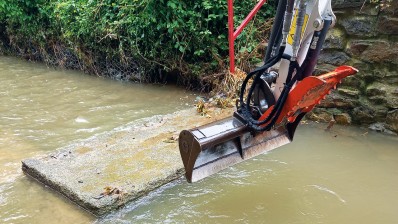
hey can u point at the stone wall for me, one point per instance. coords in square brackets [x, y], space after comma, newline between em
[366, 37]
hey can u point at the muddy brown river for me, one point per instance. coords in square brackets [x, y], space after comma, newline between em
[346, 175]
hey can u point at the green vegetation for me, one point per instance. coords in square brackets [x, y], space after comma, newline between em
[187, 37]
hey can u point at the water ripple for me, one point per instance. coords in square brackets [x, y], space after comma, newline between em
[324, 189]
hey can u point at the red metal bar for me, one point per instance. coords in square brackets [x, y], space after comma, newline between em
[232, 34]
[248, 18]
[231, 38]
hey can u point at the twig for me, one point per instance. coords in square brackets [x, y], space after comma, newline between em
[360, 10]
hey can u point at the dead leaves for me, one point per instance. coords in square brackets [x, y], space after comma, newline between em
[225, 94]
[171, 139]
[206, 108]
[225, 102]
[202, 107]
[112, 191]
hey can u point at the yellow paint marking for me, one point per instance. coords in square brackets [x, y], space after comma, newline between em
[293, 27]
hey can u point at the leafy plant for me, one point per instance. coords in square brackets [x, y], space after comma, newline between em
[188, 37]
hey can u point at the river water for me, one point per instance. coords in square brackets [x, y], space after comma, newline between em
[346, 175]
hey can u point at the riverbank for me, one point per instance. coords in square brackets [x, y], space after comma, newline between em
[143, 41]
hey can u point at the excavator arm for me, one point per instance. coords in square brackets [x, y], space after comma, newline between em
[281, 92]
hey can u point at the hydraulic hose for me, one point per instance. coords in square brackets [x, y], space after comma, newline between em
[287, 20]
[259, 71]
[280, 28]
[276, 31]
[278, 106]
[255, 124]
[245, 107]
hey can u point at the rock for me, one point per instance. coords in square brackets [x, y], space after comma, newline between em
[356, 47]
[363, 115]
[357, 81]
[381, 93]
[362, 26]
[320, 115]
[343, 119]
[387, 25]
[378, 100]
[381, 52]
[343, 4]
[392, 120]
[368, 77]
[333, 57]
[335, 100]
[362, 66]
[392, 80]
[323, 68]
[379, 73]
[348, 92]
[335, 39]
[352, 82]
[379, 127]
[374, 51]
[395, 91]
[381, 113]
[370, 9]
[391, 77]
[334, 111]
[392, 9]
[376, 89]
[392, 102]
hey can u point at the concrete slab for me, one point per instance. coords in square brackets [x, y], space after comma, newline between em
[108, 170]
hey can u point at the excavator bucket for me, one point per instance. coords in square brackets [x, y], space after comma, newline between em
[210, 148]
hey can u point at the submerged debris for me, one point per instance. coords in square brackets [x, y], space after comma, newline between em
[331, 124]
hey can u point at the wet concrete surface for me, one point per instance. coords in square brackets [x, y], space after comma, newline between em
[106, 171]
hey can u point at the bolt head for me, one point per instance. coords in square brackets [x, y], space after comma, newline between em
[316, 24]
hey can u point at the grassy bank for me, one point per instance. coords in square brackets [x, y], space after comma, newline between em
[144, 40]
